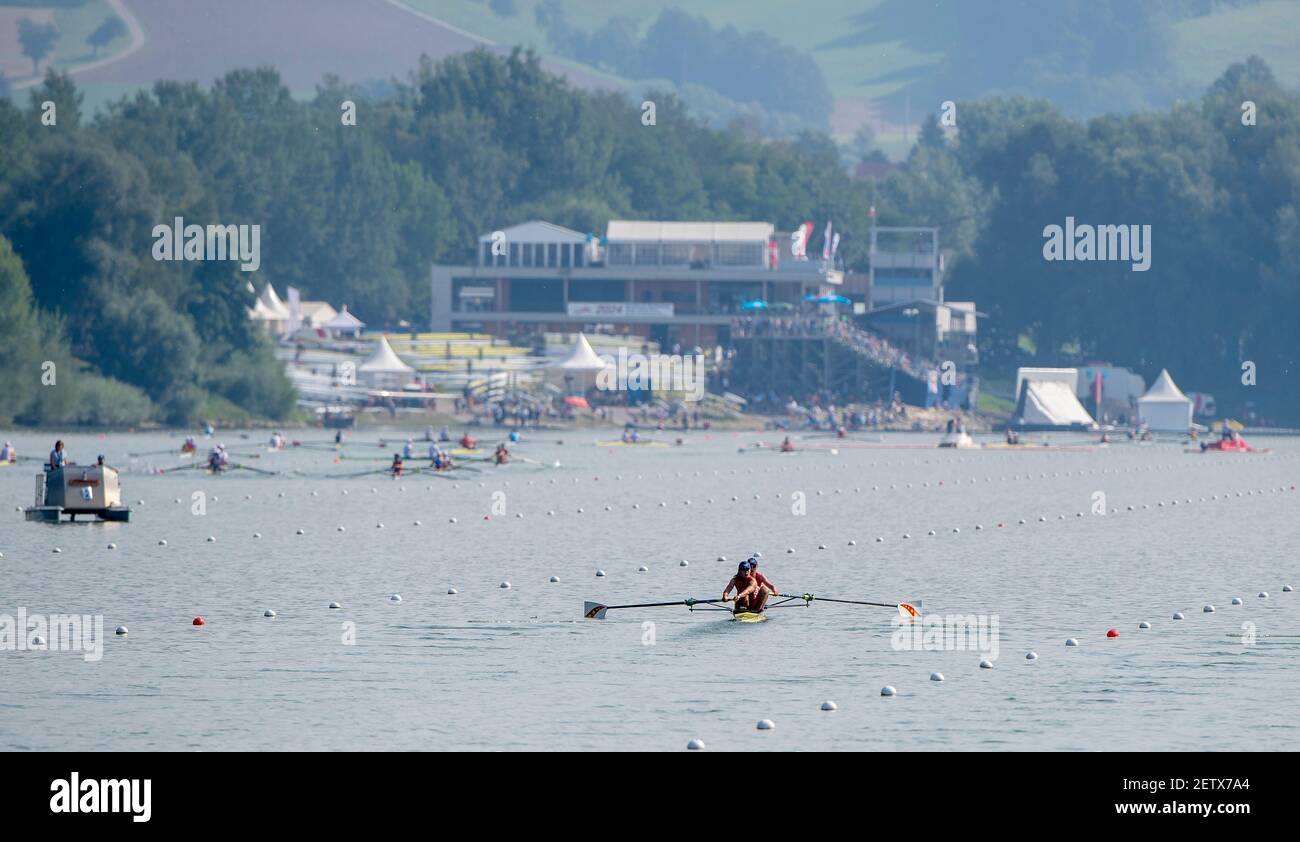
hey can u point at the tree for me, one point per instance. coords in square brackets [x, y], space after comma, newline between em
[37, 41]
[111, 29]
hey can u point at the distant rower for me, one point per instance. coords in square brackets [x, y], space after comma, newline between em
[8, 454]
[396, 468]
[502, 455]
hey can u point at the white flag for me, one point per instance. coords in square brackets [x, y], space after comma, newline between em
[295, 310]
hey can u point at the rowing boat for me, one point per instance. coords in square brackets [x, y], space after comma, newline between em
[908, 611]
[641, 443]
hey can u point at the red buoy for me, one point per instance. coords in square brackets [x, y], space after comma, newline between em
[199, 621]
[486, 517]
[1112, 633]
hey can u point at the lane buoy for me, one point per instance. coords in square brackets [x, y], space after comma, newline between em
[1069, 641]
[1209, 609]
[986, 665]
[1112, 632]
[829, 705]
[199, 621]
[1144, 625]
[1178, 615]
[1031, 656]
[936, 676]
[505, 586]
[888, 691]
[695, 745]
[766, 725]
[335, 605]
[121, 631]
[268, 613]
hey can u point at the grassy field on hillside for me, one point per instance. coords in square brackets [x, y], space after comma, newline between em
[74, 24]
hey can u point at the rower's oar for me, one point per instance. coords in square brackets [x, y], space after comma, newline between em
[596, 611]
[910, 609]
[190, 467]
[254, 470]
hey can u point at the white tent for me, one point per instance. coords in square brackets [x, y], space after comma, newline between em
[345, 323]
[1046, 400]
[581, 358]
[1164, 407]
[273, 303]
[385, 368]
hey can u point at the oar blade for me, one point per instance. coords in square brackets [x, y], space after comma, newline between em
[910, 610]
[593, 610]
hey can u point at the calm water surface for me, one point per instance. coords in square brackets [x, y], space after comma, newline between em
[493, 668]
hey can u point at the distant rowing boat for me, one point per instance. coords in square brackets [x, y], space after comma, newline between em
[640, 443]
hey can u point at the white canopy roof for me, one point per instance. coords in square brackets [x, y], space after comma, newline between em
[272, 302]
[582, 357]
[1164, 391]
[625, 231]
[261, 313]
[345, 321]
[383, 360]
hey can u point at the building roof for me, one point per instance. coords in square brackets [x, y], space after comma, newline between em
[272, 302]
[537, 231]
[627, 231]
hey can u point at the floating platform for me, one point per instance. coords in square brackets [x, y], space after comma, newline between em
[75, 491]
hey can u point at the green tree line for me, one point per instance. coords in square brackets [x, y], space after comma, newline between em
[357, 214]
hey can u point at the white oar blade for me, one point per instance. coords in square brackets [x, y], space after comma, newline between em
[910, 610]
[593, 611]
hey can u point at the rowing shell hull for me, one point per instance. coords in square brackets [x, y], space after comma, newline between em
[749, 617]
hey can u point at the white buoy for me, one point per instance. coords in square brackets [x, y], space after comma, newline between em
[888, 691]
[335, 605]
[600, 574]
[684, 563]
[397, 597]
[906, 535]
[1287, 589]
[415, 523]
[936, 676]
[1031, 656]
[112, 546]
[162, 542]
[1144, 625]
[1178, 615]
[255, 535]
[213, 540]
[38, 641]
[1263, 594]
[956, 529]
[1209, 609]
[986, 665]
[829, 705]
[821, 546]
[268, 613]
[789, 550]
[121, 631]
[554, 579]
[505, 586]
[1236, 600]
[643, 569]
[696, 745]
[451, 591]
[853, 543]
[766, 725]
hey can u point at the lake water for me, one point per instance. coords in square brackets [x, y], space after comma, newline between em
[518, 668]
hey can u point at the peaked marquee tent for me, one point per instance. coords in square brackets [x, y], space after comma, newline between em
[385, 368]
[1164, 407]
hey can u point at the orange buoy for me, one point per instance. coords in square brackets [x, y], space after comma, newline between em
[199, 621]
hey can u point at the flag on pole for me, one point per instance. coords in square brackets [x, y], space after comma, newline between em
[835, 244]
[295, 310]
[826, 242]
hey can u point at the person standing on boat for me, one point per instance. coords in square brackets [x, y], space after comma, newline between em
[751, 587]
[57, 457]
[8, 454]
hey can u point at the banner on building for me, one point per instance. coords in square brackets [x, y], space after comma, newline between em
[620, 310]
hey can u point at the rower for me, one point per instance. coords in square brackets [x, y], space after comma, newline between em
[408, 450]
[444, 434]
[502, 456]
[8, 454]
[752, 588]
[57, 457]
[396, 468]
[428, 433]
[216, 460]
[514, 436]
[277, 441]
[467, 442]
[787, 446]
[190, 445]
[338, 437]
